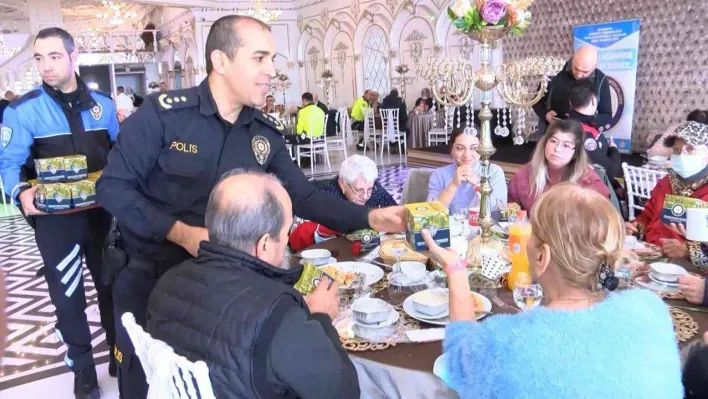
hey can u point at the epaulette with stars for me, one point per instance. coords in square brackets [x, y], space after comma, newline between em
[269, 120]
[176, 99]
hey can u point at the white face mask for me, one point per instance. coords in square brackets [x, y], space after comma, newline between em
[687, 165]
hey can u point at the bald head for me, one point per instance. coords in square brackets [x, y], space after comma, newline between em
[250, 211]
[584, 62]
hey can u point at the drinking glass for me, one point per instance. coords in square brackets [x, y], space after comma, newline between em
[527, 294]
[460, 215]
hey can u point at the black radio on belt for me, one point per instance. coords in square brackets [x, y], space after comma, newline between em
[114, 257]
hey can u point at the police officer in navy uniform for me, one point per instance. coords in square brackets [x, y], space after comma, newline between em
[63, 117]
[171, 152]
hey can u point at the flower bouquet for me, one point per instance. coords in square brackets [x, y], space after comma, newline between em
[402, 69]
[473, 16]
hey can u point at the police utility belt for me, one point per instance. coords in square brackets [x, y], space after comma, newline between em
[115, 258]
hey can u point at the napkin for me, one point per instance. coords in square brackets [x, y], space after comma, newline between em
[426, 335]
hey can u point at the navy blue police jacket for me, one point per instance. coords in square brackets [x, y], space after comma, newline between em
[40, 125]
[170, 154]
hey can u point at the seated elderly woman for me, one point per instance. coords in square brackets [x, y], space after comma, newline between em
[356, 183]
[454, 185]
[559, 157]
[659, 149]
[688, 177]
[585, 341]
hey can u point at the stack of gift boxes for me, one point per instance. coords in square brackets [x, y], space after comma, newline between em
[64, 183]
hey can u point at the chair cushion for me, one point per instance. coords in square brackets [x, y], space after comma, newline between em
[416, 187]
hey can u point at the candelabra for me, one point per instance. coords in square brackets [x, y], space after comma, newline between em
[282, 84]
[402, 81]
[520, 83]
[326, 83]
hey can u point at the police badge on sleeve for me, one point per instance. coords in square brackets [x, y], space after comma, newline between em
[97, 111]
[5, 135]
[590, 144]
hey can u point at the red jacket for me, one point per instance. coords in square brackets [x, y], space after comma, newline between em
[650, 217]
[520, 187]
[303, 235]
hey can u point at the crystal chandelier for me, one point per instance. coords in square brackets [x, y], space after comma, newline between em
[116, 13]
[263, 14]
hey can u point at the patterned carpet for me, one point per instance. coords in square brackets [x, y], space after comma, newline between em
[33, 350]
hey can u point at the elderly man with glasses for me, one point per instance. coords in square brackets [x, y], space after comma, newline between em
[357, 182]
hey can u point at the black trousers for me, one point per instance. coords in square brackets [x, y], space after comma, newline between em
[132, 287]
[63, 241]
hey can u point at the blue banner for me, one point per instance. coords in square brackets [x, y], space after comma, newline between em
[617, 46]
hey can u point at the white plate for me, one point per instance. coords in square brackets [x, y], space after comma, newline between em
[372, 274]
[667, 272]
[656, 279]
[392, 319]
[412, 312]
[646, 282]
[330, 261]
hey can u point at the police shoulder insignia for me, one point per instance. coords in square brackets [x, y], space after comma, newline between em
[269, 120]
[590, 144]
[97, 111]
[5, 135]
[261, 148]
[178, 99]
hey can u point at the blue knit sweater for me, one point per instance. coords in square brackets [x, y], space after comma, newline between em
[622, 347]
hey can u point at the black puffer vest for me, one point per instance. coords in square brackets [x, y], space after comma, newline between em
[215, 308]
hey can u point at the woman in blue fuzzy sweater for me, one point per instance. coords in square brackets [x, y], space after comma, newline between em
[585, 342]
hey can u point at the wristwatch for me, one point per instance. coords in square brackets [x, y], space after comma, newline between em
[457, 266]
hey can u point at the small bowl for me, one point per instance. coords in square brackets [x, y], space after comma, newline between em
[414, 271]
[371, 310]
[317, 256]
[431, 302]
[667, 272]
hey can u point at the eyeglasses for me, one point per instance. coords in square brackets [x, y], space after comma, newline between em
[361, 193]
[565, 145]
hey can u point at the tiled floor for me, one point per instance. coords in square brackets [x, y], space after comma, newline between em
[33, 364]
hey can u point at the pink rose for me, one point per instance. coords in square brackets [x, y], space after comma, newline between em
[493, 11]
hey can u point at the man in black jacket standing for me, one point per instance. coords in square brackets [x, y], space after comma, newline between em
[234, 305]
[555, 105]
[394, 101]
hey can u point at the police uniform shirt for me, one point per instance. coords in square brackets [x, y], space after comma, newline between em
[46, 123]
[170, 154]
[597, 146]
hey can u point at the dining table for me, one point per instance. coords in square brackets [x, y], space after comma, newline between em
[405, 370]
[419, 124]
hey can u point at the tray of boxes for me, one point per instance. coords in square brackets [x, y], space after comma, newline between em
[64, 184]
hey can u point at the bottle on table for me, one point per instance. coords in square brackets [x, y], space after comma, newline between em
[519, 234]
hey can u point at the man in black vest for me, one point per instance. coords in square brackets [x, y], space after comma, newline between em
[234, 305]
[555, 104]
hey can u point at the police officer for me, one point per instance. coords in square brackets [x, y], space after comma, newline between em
[63, 117]
[171, 152]
[603, 152]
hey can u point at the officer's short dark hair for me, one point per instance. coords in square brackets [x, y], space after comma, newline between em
[240, 226]
[65, 37]
[582, 93]
[307, 96]
[120, 89]
[224, 36]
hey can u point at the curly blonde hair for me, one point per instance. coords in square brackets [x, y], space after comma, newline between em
[583, 230]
